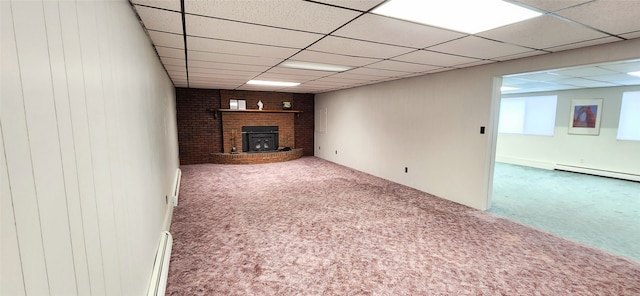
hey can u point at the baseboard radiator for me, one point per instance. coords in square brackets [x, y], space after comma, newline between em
[597, 172]
[158, 284]
[176, 187]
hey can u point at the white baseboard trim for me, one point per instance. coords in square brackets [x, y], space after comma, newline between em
[597, 172]
[158, 282]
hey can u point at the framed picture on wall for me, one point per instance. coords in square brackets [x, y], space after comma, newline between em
[585, 117]
[242, 104]
[233, 104]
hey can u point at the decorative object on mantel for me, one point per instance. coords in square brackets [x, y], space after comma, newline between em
[234, 150]
[217, 112]
[242, 104]
[233, 104]
[260, 105]
[286, 105]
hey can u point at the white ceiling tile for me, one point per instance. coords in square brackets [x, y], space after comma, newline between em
[352, 76]
[166, 39]
[585, 72]
[434, 58]
[208, 85]
[513, 81]
[235, 31]
[520, 55]
[173, 61]
[476, 63]
[176, 68]
[477, 47]
[220, 75]
[165, 4]
[544, 76]
[351, 47]
[265, 88]
[388, 30]
[377, 72]
[160, 20]
[231, 73]
[334, 81]
[362, 5]
[618, 78]
[584, 82]
[631, 35]
[283, 77]
[226, 66]
[535, 33]
[177, 74]
[552, 5]
[624, 67]
[584, 44]
[333, 59]
[231, 58]
[238, 48]
[402, 66]
[169, 52]
[611, 16]
[299, 72]
[296, 15]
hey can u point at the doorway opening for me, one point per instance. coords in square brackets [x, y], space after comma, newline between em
[580, 186]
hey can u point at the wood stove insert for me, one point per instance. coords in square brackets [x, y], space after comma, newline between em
[259, 139]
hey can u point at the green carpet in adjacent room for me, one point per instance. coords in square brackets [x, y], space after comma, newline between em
[600, 212]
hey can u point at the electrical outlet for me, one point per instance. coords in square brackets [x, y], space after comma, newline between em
[406, 169]
[482, 129]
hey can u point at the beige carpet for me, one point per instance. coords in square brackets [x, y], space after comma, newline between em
[310, 227]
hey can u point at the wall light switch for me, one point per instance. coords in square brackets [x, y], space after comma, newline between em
[482, 129]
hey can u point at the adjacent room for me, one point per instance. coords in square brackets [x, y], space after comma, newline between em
[296, 147]
[560, 176]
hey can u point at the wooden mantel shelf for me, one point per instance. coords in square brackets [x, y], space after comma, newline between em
[216, 111]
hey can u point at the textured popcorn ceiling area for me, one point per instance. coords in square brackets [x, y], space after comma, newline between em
[222, 44]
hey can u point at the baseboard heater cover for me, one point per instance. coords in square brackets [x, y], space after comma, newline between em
[176, 187]
[596, 172]
[158, 283]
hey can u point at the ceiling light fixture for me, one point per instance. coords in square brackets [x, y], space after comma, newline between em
[314, 66]
[272, 83]
[508, 88]
[468, 16]
[636, 73]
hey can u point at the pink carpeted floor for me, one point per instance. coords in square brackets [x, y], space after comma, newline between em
[311, 227]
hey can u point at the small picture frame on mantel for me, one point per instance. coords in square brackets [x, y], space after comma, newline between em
[242, 104]
[233, 104]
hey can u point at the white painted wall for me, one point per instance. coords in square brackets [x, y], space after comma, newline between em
[431, 124]
[89, 149]
[602, 152]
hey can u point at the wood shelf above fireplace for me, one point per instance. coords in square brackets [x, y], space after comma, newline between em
[217, 111]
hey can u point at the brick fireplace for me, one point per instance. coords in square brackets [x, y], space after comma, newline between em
[200, 126]
[233, 121]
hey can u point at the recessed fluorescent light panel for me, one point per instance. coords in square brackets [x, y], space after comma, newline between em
[468, 16]
[508, 88]
[272, 83]
[636, 73]
[314, 66]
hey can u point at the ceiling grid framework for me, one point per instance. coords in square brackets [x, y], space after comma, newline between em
[222, 44]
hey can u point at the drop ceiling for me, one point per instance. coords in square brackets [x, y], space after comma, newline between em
[222, 44]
